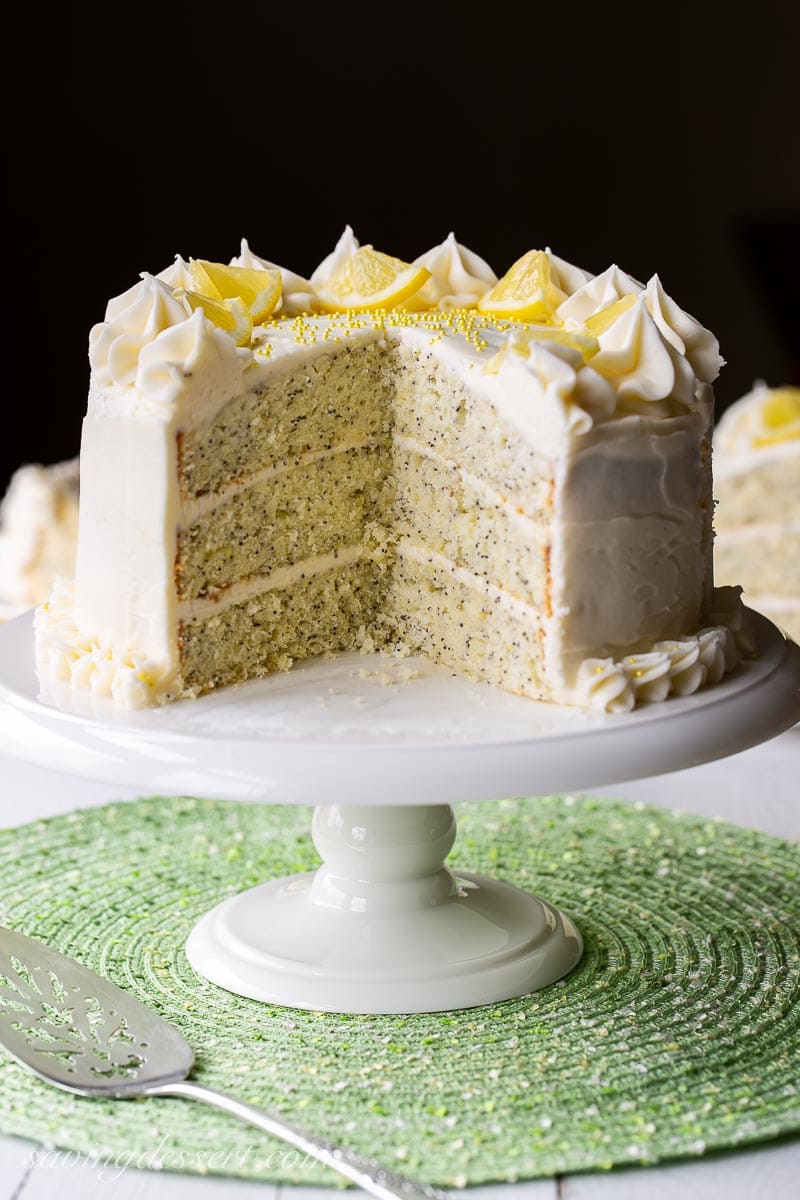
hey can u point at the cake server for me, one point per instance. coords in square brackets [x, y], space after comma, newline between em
[82, 1033]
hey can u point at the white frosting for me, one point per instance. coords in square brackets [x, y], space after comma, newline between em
[154, 345]
[297, 293]
[718, 652]
[629, 555]
[603, 685]
[565, 275]
[65, 654]
[458, 277]
[672, 668]
[641, 364]
[134, 320]
[177, 275]
[193, 347]
[686, 672]
[683, 332]
[595, 294]
[648, 675]
[554, 370]
[728, 611]
[344, 249]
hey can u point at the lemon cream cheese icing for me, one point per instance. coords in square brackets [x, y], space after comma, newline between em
[511, 476]
[757, 488]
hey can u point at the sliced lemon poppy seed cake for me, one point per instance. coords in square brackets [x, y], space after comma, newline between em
[510, 476]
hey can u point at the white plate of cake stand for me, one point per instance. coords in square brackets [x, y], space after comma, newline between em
[383, 748]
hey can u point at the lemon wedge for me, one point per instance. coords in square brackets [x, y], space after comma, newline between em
[521, 341]
[259, 290]
[526, 291]
[368, 278]
[231, 315]
[781, 417]
[600, 321]
[587, 346]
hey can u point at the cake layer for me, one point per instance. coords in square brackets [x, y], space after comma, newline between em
[457, 618]
[764, 557]
[767, 488]
[312, 615]
[285, 416]
[298, 513]
[443, 508]
[434, 406]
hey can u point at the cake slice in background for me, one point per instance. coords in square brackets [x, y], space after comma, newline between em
[38, 533]
[757, 491]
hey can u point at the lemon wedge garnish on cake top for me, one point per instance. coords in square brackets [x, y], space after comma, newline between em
[599, 322]
[780, 417]
[367, 278]
[259, 290]
[522, 341]
[526, 291]
[229, 315]
[586, 344]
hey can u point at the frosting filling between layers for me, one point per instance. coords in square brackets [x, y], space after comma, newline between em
[246, 589]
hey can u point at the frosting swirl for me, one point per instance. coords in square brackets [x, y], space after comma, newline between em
[195, 346]
[595, 294]
[565, 275]
[649, 675]
[557, 370]
[155, 341]
[177, 274]
[65, 655]
[346, 246]
[604, 686]
[717, 652]
[697, 344]
[133, 320]
[458, 277]
[638, 361]
[686, 672]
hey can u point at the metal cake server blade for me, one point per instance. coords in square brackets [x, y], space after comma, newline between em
[84, 1034]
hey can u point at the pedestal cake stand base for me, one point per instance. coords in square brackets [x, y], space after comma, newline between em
[383, 926]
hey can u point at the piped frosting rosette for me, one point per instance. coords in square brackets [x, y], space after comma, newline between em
[670, 668]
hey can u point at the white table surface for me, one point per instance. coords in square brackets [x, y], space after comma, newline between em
[759, 788]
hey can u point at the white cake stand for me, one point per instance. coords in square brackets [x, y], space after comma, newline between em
[383, 748]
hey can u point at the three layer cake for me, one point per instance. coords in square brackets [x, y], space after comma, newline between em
[512, 477]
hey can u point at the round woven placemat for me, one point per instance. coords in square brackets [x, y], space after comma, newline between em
[678, 1033]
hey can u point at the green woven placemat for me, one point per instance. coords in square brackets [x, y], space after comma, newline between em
[678, 1033]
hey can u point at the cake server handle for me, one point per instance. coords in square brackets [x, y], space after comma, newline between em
[369, 1175]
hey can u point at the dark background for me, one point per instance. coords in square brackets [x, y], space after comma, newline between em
[662, 137]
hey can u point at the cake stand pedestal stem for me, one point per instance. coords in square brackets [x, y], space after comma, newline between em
[377, 860]
[383, 926]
